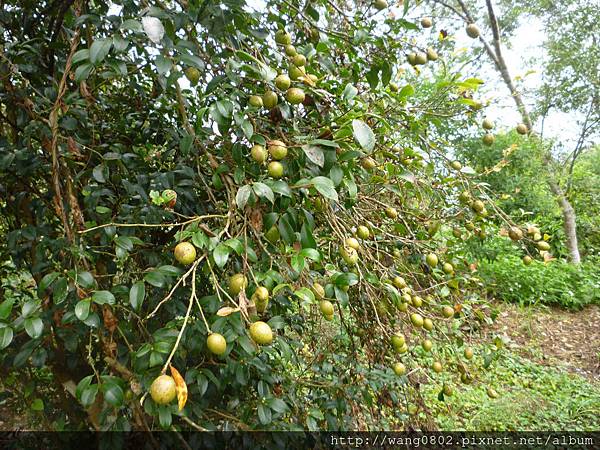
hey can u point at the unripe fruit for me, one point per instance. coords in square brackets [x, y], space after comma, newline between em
[275, 169]
[406, 298]
[163, 390]
[290, 50]
[363, 232]
[299, 60]
[470, 226]
[417, 301]
[437, 367]
[468, 353]
[472, 31]
[543, 245]
[464, 197]
[216, 343]
[478, 206]
[185, 253]
[394, 87]
[431, 260]
[368, 163]
[295, 96]
[522, 128]
[277, 149]
[398, 341]
[193, 75]
[492, 393]
[403, 307]
[380, 4]
[426, 22]
[456, 165]
[326, 307]
[399, 369]
[262, 293]
[448, 311]
[256, 101]
[416, 319]
[349, 255]
[421, 58]
[391, 212]
[397, 253]
[515, 233]
[261, 333]
[283, 38]
[448, 268]
[258, 153]
[488, 139]
[431, 54]
[428, 324]
[487, 124]
[237, 283]
[412, 58]
[283, 82]
[352, 243]
[456, 233]
[270, 99]
[448, 391]
[295, 72]
[399, 282]
[527, 260]
[427, 345]
[318, 290]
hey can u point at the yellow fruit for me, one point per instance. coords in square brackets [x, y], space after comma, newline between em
[391, 212]
[515, 233]
[261, 333]
[431, 260]
[456, 165]
[428, 324]
[349, 255]
[398, 341]
[256, 101]
[258, 153]
[448, 311]
[163, 390]
[448, 268]
[295, 96]
[399, 369]
[416, 301]
[380, 4]
[492, 393]
[416, 319]
[363, 232]
[478, 206]
[270, 99]
[352, 243]
[290, 50]
[412, 58]
[437, 367]
[237, 283]
[448, 391]
[488, 139]
[318, 290]
[427, 345]
[261, 293]
[393, 87]
[543, 245]
[295, 72]
[397, 253]
[275, 169]
[426, 22]
[368, 163]
[216, 343]
[431, 54]
[468, 353]
[421, 58]
[299, 60]
[487, 124]
[329, 318]
[399, 282]
[282, 82]
[277, 149]
[522, 128]
[326, 307]
[185, 253]
[472, 31]
[193, 75]
[527, 260]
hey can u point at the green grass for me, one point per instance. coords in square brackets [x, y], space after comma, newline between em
[532, 397]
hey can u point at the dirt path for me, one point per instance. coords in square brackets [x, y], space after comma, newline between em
[554, 337]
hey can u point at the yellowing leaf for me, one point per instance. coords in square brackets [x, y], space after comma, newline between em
[226, 310]
[182, 391]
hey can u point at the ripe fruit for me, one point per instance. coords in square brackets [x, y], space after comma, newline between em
[487, 124]
[522, 128]
[472, 31]
[363, 232]
[468, 353]
[380, 4]
[437, 367]
[270, 99]
[416, 319]
[478, 206]
[318, 290]
[421, 58]
[398, 341]
[488, 139]
[237, 283]
[261, 333]
[282, 82]
[216, 343]
[391, 212]
[368, 163]
[543, 245]
[258, 153]
[412, 58]
[426, 22]
[170, 196]
[349, 255]
[256, 101]
[275, 169]
[448, 268]
[399, 369]
[193, 75]
[352, 243]
[328, 318]
[185, 253]
[403, 307]
[399, 282]
[299, 60]
[427, 345]
[448, 311]
[163, 390]
[432, 260]
[283, 38]
[515, 233]
[326, 307]
[456, 165]
[277, 149]
[527, 260]
[428, 324]
[431, 54]
[295, 96]
[290, 50]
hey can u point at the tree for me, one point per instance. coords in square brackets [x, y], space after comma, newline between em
[269, 235]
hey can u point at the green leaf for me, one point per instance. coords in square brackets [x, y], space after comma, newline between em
[310, 253]
[363, 135]
[60, 290]
[221, 254]
[163, 65]
[264, 414]
[99, 49]
[155, 278]
[88, 396]
[113, 394]
[349, 92]
[306, 238]
[279, 187]
[406, 91]
[325, 186]
[242, 196]
[6, 337]
[83, 71]
[235, 244]
[314, 154]
[103, 297]
[277, 405]
[85, 280]
[34, 327]
[164, 416]
[82, 309]
[6, 308]
[37, 405]
[124, 242]
[46, 282]
[263, 191]
[305, 294]
[137, 293]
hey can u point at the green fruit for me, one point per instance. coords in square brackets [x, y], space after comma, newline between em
[468, 353]
[527, 260]
[363, 232]
[448, 268]
[416, 301]
[163, 390]
[543, 245]
[421, 58]
[277, 149]
[466, 378]
[464, 197]
[437, 367]
[295, 72]
[412, 59]
[448, 311]
[185, 253]
[492, 393]
[470, 226]
[522, 128]
[261, 333]
[448, 391]
[261, 293]
[394, 87]
[326, 307]
[403, 307]
[380, 4]
[472, 31]
[299, 60]
[427, 345]
[270, 99]
[216, 343]
[237, 283]
[368, 163]
[258, 153]
[256, 101]
[397, 253]
[399, 369]
[416, 319]
[399, 282]
[398, 341]
[428, 324]
[283, 82]
[432, 260]
[349, 255]
[295, 96]
[290, 50]
[283, 38]
[273, 234]
[318, 290]
[193, 75]
[487, 124]
[352, 243]
[431, 54]
[488, 139]
[426, 22]
[275, 169]
[478, 206]
[391, 212]
[456, 165]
